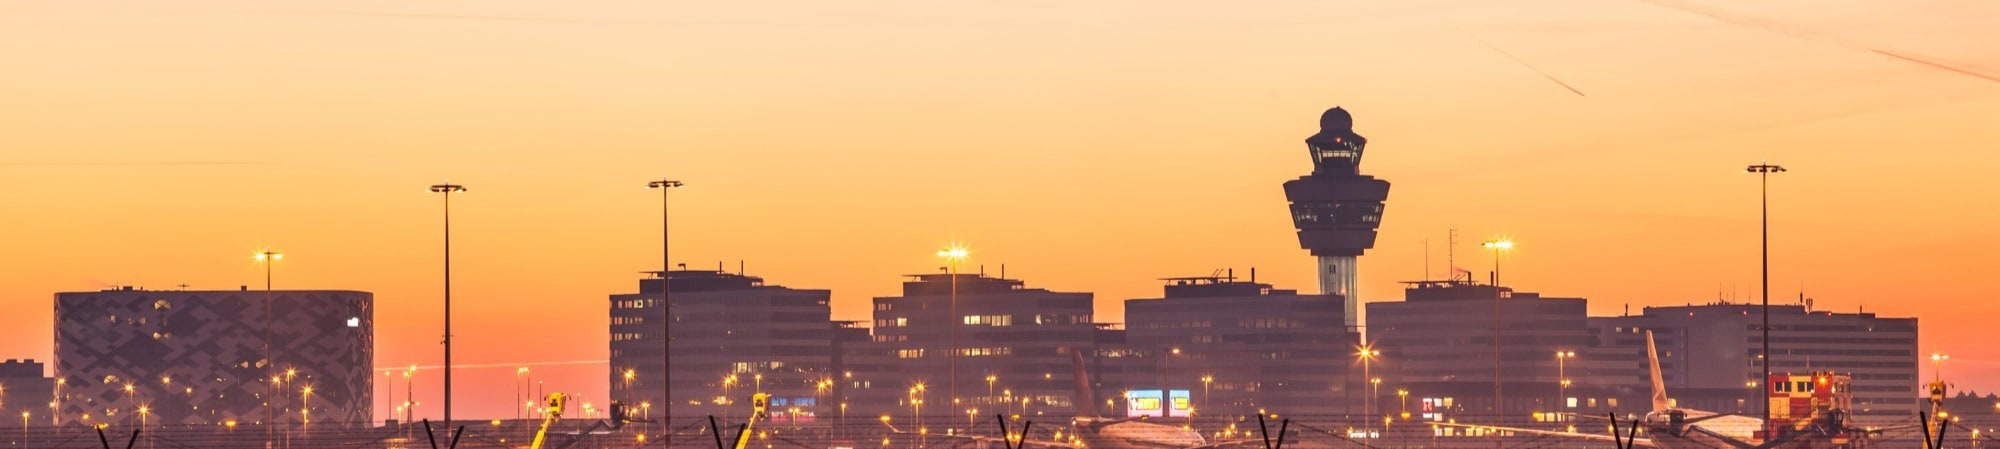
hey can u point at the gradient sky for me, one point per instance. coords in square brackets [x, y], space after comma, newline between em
[1090, 146]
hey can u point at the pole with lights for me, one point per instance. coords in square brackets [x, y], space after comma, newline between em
[447, 189]
[1764, 172]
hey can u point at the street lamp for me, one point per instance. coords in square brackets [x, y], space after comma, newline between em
[1367, 354]
[666, 312]
[447, 189]
[989, 386]
[1764, 172]
[1403, 401]
[1374, 390]
[953, 255]
[1562, 379]
[1497, 246]
[1937, 365]
[518, 387]
[1205, 380]
[305, 409]
[268, 258]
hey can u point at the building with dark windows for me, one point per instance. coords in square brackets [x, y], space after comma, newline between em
[1013, 343]
[198, 357]
[27, 390]
[1240, 347]
[1336, 208]
[1708, 354]
[1438, 344]
[733, 336]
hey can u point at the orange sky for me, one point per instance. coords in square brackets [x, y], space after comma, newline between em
[1090, 146]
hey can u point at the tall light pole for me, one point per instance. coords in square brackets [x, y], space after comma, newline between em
[1367, 354]
[518, 393]
[1764, 172]
[447, 189]
[666, 314]
[1497, 246]
[954, 255]
[1562, 379]
[268, 258]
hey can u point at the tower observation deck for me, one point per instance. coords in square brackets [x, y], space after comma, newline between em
[1336, 208]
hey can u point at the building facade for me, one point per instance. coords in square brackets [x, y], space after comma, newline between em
[200, 357]
[1241, 347]
[1709, 354]
[1438, 344]
[733, 336]
[26, 391]
[1013, 346]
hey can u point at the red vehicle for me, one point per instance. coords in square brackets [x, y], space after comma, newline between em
[1815, 403]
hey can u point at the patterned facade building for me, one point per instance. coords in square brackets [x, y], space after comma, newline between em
[198, 357]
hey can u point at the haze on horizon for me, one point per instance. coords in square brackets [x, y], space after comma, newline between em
[1089, 146]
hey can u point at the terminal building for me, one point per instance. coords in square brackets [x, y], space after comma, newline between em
[733, 336]
[1012, 340]
[199, 357]
[1709, 353]
[28, 391]
[1438, 344]
[1240, 347]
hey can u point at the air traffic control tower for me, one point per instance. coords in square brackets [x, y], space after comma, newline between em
[1336, 208]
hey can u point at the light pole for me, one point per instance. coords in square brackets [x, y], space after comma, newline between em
[519, 389]
[1562, 379]
[1403, 401]
[1367, 354]
[989, 386]
[1374, 390]
[1937, 366]
[268, 258]
[143, 412]
[409, 395]
[305, 410]
[953, 254]
[1764, 172]
[447, 189]
[1205, 380]
[666, 313]
[1497, 246]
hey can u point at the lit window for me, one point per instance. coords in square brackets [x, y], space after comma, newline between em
[354, 322]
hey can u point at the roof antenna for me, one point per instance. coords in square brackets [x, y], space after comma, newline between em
[1003, 271]
[739, 267]
[982, 270]
[1427, 263]
[1253, 274]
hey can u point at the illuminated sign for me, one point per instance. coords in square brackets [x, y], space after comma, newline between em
[1168, 403]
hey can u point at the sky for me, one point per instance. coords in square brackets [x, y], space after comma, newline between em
[1088, 146]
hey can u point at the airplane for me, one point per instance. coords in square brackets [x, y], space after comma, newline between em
[1088, 430]
[1819, 422]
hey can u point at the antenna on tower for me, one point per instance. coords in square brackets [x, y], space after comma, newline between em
[1427, 259]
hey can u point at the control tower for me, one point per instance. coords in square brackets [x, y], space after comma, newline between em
[1336, 208]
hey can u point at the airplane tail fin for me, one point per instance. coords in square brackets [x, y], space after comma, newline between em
[1660, 401]
[1086, 402]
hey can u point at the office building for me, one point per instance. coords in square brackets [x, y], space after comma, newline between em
[199, 357]
[733, 336]
[1438, 343]
[1240, 347]
[1709, 353]
[25, 389]
[1013, 344]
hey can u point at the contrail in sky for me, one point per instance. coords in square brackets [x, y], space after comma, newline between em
[1518, 60]
[128, 164]
[1780, 28]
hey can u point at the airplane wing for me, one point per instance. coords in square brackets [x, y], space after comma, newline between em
[1004, 441]
[1233, 444]
[1554, 433]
